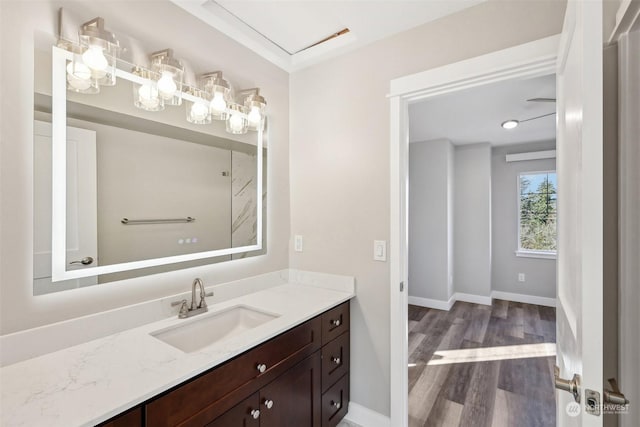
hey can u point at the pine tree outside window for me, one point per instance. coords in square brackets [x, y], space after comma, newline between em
[537, 214]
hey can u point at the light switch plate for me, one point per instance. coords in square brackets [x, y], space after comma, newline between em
[297, 243]
[379, 250]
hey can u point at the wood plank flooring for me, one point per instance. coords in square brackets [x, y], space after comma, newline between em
[482, 366]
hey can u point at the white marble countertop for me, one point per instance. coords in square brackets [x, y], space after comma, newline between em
[89, 383]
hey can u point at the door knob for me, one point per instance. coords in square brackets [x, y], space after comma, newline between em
[255, 414]
[268, 403]
[615, 396]
[84, 261]
[572, 385]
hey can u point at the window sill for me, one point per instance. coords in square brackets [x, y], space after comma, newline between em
[534, 254]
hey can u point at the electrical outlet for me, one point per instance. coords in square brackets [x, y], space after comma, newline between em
[521, 277]
[297, 243]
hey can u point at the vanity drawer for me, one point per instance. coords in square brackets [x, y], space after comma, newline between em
[335, 360]
[131, 418]
[201, 400]
[335, 322]
[335, 402]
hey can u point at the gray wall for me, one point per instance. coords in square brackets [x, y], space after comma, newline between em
[472, 220]
[540, 274]
[430, 219]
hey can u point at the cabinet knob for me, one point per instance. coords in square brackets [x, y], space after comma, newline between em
[261, 367]
[268, 403]
[336, 322]
[338, 405]
[336, 360]
[255, 414]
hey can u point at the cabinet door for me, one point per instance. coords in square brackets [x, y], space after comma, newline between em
[293, 399]
[244, 414]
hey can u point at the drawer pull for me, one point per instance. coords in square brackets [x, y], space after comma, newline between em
[338, 405]
[336, 360]
[255, 414]
[268, 403]
[336, 322]
[261, 368]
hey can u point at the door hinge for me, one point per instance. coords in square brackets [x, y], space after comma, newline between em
[401, 286]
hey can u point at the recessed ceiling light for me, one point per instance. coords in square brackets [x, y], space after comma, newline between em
[510, 124]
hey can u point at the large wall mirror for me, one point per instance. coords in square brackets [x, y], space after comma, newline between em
[121, 192]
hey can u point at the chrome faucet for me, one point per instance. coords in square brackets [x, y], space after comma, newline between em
[201, 307]
[202, 302]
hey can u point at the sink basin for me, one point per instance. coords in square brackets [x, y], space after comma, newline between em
[206, 329]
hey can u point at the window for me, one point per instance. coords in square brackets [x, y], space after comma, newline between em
[537, 214]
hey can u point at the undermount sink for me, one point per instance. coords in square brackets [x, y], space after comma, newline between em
[206, 329]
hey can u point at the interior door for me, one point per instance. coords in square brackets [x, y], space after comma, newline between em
[82, 225]
[580, 209]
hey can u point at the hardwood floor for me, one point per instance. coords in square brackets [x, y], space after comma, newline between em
[477, 366]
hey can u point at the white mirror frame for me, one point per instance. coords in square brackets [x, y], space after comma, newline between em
[59, 185]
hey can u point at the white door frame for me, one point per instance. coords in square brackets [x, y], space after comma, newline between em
[532, 59]
[627, 20]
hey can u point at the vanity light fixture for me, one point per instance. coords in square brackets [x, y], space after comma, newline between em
[237, 121]
[93, 61]
[255, 105]
[146, 96]
[100, 50]
[220, 92]
[170, 72]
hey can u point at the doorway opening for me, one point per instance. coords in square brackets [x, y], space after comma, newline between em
[482, 210]
[529, 61]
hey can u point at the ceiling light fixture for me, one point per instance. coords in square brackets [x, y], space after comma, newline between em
[512, 124]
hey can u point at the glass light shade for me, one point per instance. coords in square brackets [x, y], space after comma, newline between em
[100, 50]
[255, 105]
[198, 112]
[236, 123]
[170, 72]
[218, 106]
[146, 96]
[220, 92]
[79, 76]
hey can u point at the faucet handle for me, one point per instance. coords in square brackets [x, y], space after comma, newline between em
[203, 302]
[184, 309]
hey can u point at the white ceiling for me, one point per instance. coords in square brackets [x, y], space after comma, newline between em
[475, 115]
[281, 30]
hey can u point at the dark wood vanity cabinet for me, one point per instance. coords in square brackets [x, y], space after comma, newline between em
[298, 379]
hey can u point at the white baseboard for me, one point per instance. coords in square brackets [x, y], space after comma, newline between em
[475, 299]
[366, 417]
[432, 303]
[480, 299]
[527, 299]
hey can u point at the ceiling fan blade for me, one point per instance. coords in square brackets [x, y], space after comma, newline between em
[537, 117]
[541, 100]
